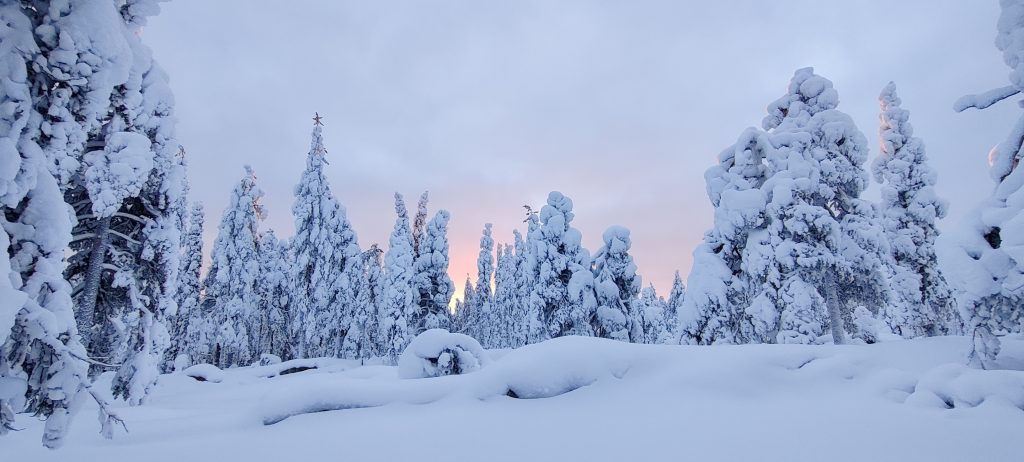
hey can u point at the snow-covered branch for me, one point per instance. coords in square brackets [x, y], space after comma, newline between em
[984, 100]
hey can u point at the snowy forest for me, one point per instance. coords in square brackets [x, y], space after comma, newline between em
[107, 294]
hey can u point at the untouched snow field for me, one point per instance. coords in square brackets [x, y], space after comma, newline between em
[583, 399]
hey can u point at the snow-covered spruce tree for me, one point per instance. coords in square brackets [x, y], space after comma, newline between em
[481, 320]
[712, 309]
[537, 274]
[419, 223]
[650, 314]
[986, 263]
[234, 272]
[464, 309]
[923, 302]
[127, 190]
[617, 286]
[188, 324]
[355, 344]
[821, 234]
[675, 300]
[42, 362]
[363, 338]
[505, 298]
[433, 287]
[200, 332]
[533, 326]
[399, 301]
[274, 294]
[562, 302]
[324, 247]
[519, 309]
[456, 309]
[87, 110]
[160, 204]
[788, 219]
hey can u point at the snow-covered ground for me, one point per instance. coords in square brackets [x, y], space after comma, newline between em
[584, 399]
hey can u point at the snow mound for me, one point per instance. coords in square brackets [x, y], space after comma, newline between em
[953, 386]
[437, 352]
[907, 399]
[205, 373]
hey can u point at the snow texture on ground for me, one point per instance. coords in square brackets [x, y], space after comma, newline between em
[578, 398]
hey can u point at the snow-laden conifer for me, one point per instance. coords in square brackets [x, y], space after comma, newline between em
[419, 223]
[323, 249]
[562, 301]
[464, 309]
[43, 363]
[362, 341]
[506, 299]
[986, 263]
[650, 315]
[923, 302]
[189, 323]
[719, 283]
[399, 300]
[481, 317]
[519, 311]
[274, 290]
[788, 218]
[433, 287]
[617, 286]
[234, 271]
[161, 205]
[820, 231]
[675, 300]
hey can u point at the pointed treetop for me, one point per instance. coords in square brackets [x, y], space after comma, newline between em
[316, 147]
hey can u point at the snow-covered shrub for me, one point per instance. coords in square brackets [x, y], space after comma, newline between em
[437, 352]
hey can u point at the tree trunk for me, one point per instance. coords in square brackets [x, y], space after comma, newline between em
[834, 314]
[88, 297]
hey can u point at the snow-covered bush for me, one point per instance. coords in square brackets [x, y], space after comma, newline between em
[437, 352]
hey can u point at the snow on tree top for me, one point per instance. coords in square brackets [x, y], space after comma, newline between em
[808, 94]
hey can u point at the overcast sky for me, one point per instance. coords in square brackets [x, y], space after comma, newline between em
[620, 105]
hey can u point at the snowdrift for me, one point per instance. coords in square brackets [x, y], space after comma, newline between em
[583, 398]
